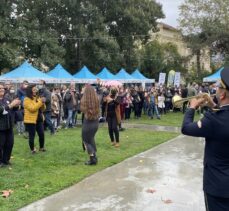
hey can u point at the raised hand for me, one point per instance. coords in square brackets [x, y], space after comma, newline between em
[16, 102]
[43, 99]
[195, 103]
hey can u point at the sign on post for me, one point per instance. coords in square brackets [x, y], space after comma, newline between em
[162, 79]
[177, 79]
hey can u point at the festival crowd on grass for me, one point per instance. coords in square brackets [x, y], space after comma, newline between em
[34, 108]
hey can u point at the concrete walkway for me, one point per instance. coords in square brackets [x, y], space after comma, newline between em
[152, 127]
[171, 171]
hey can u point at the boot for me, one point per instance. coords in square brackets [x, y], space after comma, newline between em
[92, 161]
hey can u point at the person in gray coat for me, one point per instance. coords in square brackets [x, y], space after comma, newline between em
[71, 101]
[44, 92]
[90, 107]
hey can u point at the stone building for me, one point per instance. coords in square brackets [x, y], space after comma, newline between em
[170, 34]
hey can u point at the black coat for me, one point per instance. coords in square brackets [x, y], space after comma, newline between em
[68, 101]
[21, 95]
[214, 127]
[5, 119]
[44, 92]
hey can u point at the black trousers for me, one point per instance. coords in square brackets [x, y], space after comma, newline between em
[32, 128]
[127, 113]
[113, 128]
[213, 203]
[136, 110]
[6, 145]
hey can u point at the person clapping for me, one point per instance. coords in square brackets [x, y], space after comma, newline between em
[33, 117]
[6, 127]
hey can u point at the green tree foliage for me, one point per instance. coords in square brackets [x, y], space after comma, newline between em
[76, 32]
[156, 57]
[172, 59]
[152, 58]
[209, 21]
[7, 47]
[130, 21]
[38, 37]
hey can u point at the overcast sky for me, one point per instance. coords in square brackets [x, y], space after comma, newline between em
[170, 9]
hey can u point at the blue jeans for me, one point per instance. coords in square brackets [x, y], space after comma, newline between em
[74, 117]
[153, 109]
[69, 119]
[145, 107]
[48, 121]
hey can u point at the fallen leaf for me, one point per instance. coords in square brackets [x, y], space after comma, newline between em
[140, 161]
[167, 201]
[151, 190]
[6, 193]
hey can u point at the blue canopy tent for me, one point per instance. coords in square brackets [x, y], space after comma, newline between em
[214, 77]
[62, 75]
[26, 72]
[138, 75]
[105, 74]
[85, 76]
[125, 77]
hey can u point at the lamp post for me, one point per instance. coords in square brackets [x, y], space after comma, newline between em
[78, 62]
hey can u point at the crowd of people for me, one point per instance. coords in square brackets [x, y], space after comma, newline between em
[34, 108]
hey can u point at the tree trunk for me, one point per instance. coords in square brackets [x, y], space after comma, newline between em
[198, 67]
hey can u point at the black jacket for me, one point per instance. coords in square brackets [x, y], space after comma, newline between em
[21, 95]
[44, 92]
[68, 101]
[5, 119]
[214, 127]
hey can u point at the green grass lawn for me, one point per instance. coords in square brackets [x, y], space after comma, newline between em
[32, 177]
[174, 119]
[169, 119]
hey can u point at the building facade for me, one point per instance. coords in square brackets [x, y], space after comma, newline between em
[169, 34]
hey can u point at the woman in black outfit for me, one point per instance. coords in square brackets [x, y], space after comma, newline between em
[113, 116]
[6, 127]
[89, 105]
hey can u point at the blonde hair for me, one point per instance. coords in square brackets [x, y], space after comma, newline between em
[89, 104]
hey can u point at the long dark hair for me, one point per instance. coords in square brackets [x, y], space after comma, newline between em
[89, 104]
[29, 92]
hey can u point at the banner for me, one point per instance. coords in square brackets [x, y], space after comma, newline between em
[161, 80]
[171, 77]
[177, 79]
